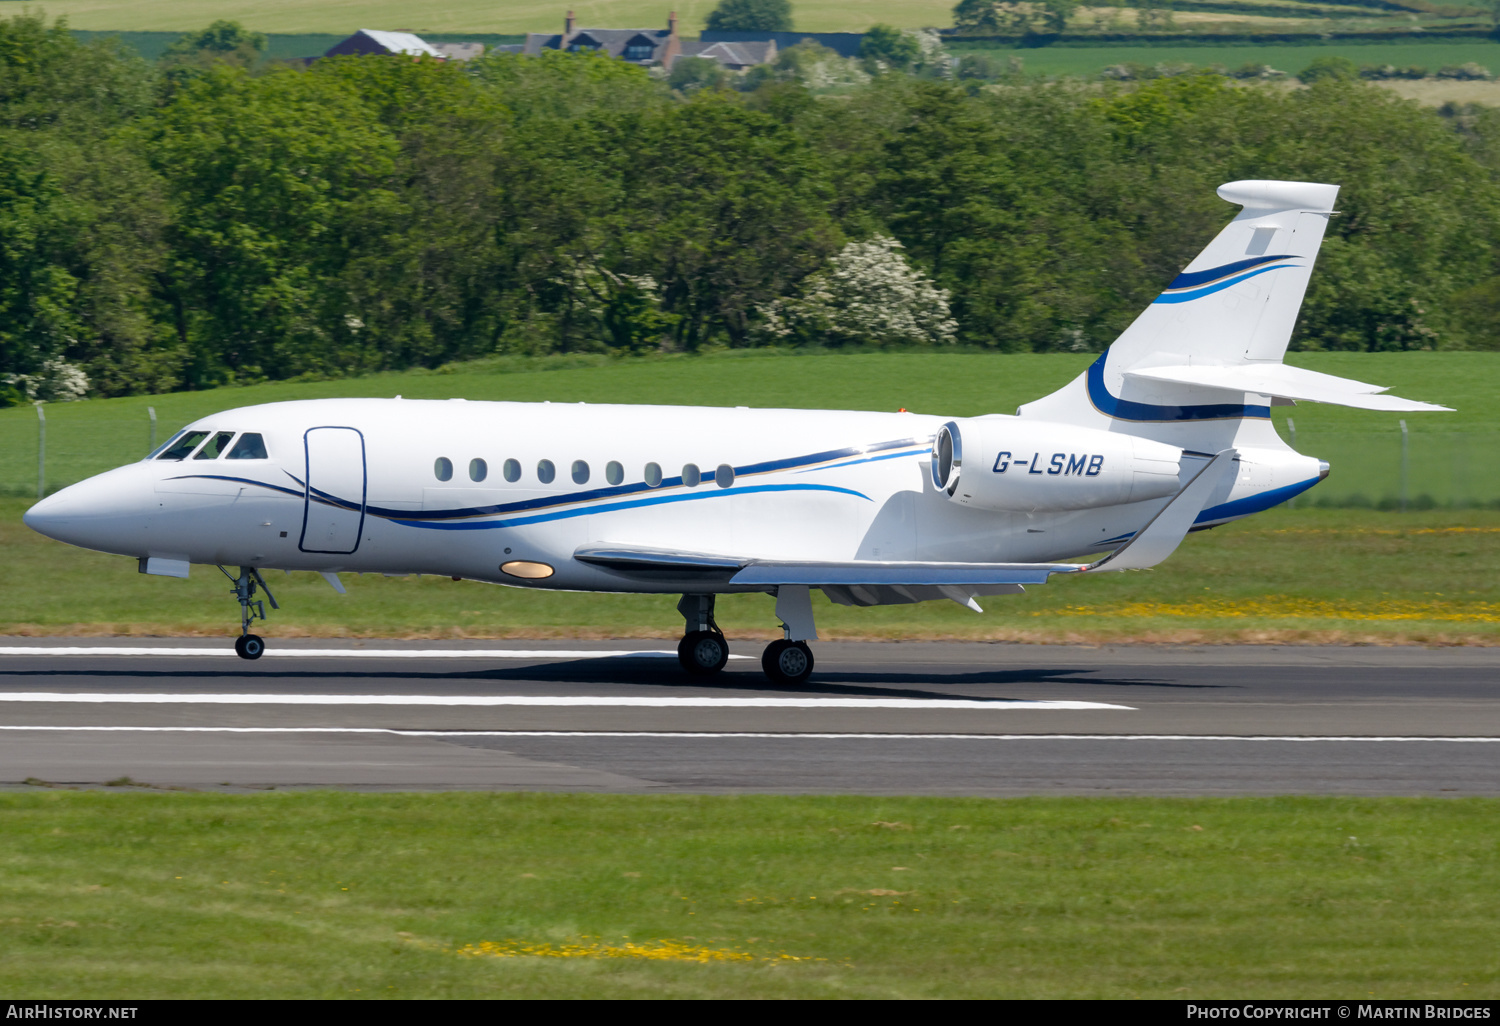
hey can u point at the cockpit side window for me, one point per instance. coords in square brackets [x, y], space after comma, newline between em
[249, 447]
[215, 446]
[185, 444]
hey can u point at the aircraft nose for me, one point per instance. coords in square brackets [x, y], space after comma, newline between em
[103, 512]
[53, 512]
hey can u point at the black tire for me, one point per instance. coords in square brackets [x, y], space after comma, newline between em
[787, 662]
[249, 646]
[702, 653]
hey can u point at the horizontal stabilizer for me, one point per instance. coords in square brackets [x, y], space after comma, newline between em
[1284, 382]
[1160, 538]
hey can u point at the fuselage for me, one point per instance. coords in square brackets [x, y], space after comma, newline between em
[466, 489]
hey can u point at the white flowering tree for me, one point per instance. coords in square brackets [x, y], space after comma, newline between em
[868, 295]
[57, 382]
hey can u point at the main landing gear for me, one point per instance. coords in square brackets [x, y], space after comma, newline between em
[247, 645]
[788, 660]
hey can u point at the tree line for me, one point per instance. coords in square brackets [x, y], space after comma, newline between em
[211, 219]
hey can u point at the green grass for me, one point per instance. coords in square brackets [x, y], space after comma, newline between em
[345, 16]
[1308, 574]
[1058, 61]
[1302, 576]
[317, 894]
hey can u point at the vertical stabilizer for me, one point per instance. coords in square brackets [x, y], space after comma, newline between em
[1235, 305]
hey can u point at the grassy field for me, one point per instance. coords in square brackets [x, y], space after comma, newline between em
[1063, 61]
[344, 16]
[1301, 575]
[319, 895]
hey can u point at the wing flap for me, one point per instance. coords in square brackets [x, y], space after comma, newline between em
[1284, 382]
[869, 573]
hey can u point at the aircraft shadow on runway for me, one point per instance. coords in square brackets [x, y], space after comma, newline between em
[658, 673]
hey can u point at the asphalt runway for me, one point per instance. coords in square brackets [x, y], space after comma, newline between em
[876, 718]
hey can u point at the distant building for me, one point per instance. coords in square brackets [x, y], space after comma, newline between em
[734, 56]
[372, 41]
[845, 44]
[375, 41]
[652, 46]
[638, 46]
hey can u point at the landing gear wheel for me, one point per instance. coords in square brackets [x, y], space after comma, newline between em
[787, 662]
[249, 646]
[703, 652]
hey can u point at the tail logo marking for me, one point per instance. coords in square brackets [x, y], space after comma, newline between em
[1191, 285]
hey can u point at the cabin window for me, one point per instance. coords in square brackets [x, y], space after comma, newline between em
[580, 472]
[442, 468]
[724, 476]
[183, 447]
[614, 473]
[653, 475]
[545, 471]
[691, 475]
[512, 471]
[215, 447]
[250, 447]
[478, 470]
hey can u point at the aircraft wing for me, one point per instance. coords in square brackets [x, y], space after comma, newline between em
[1285, 382]
[879, 582]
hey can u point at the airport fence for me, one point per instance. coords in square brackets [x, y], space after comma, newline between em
[1400, 466]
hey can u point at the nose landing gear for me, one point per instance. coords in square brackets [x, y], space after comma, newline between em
[247, 645]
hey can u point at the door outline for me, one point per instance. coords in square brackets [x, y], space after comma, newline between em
[364, 474]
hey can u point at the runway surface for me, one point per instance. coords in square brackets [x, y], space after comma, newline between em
[878, 718]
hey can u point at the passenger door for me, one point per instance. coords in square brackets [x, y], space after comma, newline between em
[333, 504]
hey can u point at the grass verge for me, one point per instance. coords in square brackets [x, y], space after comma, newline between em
[321, 894]
[1305, 576]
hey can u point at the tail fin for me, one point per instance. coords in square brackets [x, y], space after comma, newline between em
[1209, 348]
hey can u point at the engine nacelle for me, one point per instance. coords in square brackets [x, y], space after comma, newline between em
[1018, 466]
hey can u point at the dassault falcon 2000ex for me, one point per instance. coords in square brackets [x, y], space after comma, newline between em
[1167, 432]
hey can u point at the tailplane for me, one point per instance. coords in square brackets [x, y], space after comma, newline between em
[1209, 348]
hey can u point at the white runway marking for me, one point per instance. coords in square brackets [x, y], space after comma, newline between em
[350, 653]
[544, 701]
[761, 736]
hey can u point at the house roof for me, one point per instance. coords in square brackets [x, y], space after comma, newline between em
[401, 42]
[733, 55]
[611, 41]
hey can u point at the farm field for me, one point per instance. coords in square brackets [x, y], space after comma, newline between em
[1088, 60]
[344, 16]
[1308, 574]
[128, 893]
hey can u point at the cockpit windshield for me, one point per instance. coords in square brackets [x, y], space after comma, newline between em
[215, 446]
[182, 447]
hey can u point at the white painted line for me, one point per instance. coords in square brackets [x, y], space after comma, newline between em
[686, 734]
[350, 653]
[541, 701]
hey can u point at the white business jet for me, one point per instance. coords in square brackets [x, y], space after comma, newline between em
[1168, 432]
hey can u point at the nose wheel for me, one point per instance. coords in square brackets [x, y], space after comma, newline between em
[247, 645]
[787, 662]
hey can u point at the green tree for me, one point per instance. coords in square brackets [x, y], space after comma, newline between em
[277, 184]
[690, 74]
[890, 46]
[227, 41]
[751, 16]
[1338, 69]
